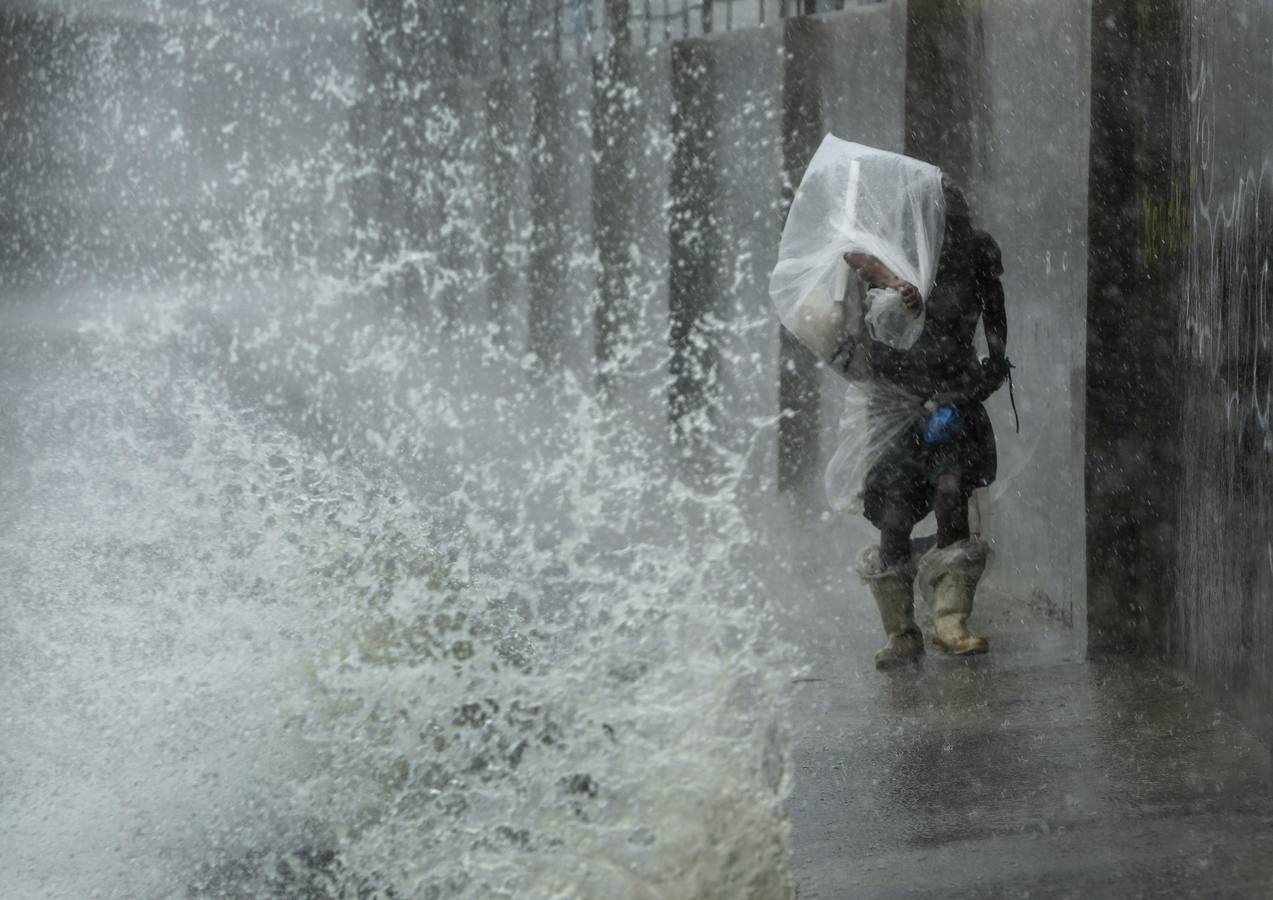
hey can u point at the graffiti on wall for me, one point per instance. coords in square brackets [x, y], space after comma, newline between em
[1224, 557]
[1228, 293]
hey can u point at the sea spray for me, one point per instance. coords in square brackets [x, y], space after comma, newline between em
[263, 650]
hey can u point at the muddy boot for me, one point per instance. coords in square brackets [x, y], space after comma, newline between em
[948, 578]
[894, 592]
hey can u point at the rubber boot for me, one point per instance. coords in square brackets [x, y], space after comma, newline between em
[948, 578]
[894, 592]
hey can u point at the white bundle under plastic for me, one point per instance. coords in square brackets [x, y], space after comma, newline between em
[856, 198]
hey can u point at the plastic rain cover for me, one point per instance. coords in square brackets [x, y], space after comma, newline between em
[857, 198]
[854, 198]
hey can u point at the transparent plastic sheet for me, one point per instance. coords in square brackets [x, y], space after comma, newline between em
[875, 415]
[854, 198]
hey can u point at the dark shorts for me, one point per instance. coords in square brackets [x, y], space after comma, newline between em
[898, 491]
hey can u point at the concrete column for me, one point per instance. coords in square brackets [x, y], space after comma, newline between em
[615, 142]
[501, 164]
[379, 121]
[444, 61]
[695, 251]
[945, 94]
[805, 44]
[1133, 403]
[500, 98]
[549, 242]
[19, 42]
[367, 192]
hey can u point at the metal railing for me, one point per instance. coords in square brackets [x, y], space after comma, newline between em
[573, 28]
[662, 21]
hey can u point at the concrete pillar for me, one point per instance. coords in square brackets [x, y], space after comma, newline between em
[805, 43]
[378, 122]
[20, 217]
[615, 145]
[368, 191]
[501, 163]
[945, 94]
[1133, 404]
[500, 99]
[695, 251]
[444, 61]
[549, 242]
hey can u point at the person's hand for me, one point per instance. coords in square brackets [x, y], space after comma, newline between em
[876, 274]
[912, 302]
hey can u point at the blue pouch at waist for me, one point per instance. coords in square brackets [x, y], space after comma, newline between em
[943, 425]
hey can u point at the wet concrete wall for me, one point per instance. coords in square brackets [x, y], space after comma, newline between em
[1132, 398]
[996, 94]
[1219, 627]
[1028, 180]
[1180, 461]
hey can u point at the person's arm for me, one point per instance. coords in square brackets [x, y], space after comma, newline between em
[994, 313]
[876, 274]
[995, 317]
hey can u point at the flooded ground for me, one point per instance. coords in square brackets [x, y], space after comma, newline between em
[1029, 772]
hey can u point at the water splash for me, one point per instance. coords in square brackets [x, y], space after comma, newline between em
[436, 661]
[321, 585]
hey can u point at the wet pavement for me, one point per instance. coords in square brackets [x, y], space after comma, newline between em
[1029, 772]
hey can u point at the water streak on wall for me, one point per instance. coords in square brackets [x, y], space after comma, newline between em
[1222, 611]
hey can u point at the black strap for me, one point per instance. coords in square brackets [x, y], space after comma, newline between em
[1013, 398]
